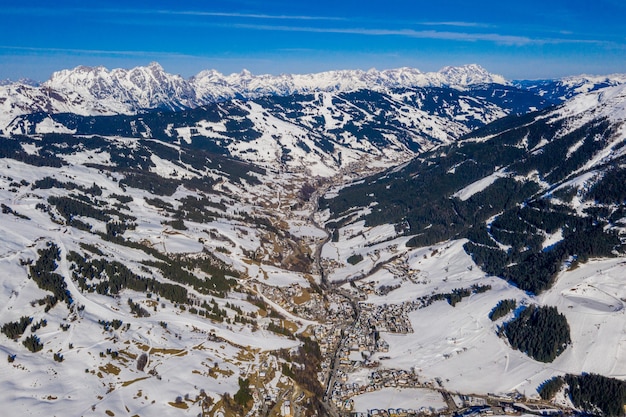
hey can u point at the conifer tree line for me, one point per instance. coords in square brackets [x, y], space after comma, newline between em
[503, 308]
[42, 272]
[592, 393]
[15, 329]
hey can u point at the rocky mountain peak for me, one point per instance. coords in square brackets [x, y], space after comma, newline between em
[470, 74]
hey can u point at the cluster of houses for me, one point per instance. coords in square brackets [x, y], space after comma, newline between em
[308, 304]
[327, 337]
[466, 406]
[391, 318]
[343, 391]
[357, 347]
[400, 412]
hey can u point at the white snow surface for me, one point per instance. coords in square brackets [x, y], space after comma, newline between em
[400, 398]
[478, 186]
[607, 102]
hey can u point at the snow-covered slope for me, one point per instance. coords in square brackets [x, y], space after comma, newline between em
[608, 102]
[567, 87]
[202, 320]
[577, 144]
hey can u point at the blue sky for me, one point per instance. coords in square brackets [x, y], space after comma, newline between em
[518, 39]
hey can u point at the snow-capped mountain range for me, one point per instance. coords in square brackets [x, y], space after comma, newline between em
[99, 91]
[93, 91]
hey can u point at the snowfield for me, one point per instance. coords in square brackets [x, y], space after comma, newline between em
[396, 398]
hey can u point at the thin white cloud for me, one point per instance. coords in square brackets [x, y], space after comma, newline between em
[458, 24]
[47, 11]
[102, 52]
[434, 34]
[123, 15]
[409, 33]
[243, 15]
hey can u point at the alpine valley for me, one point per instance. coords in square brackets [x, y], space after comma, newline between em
[372, 242]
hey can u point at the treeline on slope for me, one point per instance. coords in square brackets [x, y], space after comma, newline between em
[550, 163]
[503, 308]
[196, 209]
[8, 210]
[107, 277]
[527, 263]
[72, 206]
[80, 205]
[117, 222]
[42, 272]
[419, 199]
[47, 183]
[592, 393]
[540, 332]
[11, 148]
[180, 270]
[137, 167]
[15, 329]
[611, 188]
[132, 160]
[457, 295]
[162, 125]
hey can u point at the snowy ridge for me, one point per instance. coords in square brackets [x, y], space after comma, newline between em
[568, 87]
[586, 83]
[92, 91]
[607, 102]
[249, 85]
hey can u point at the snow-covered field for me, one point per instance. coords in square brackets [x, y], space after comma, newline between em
[400, 398]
